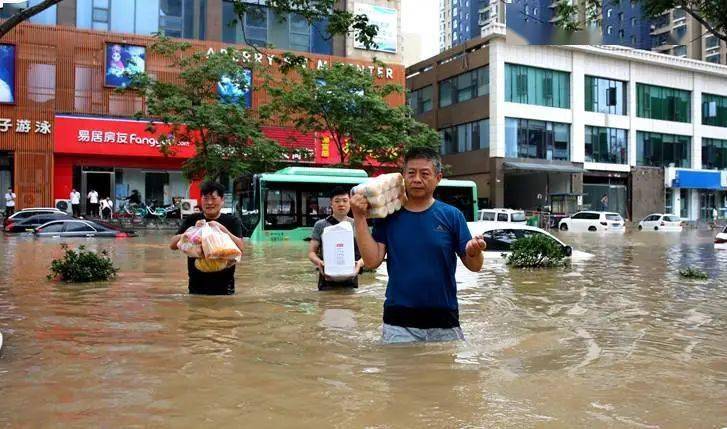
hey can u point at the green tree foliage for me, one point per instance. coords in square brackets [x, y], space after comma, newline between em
[346, 103]
[82, 266]
[227, 135]
[693, 273]
[536, 251]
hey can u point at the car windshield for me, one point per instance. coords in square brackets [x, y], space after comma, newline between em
[518, 217]
[613, 216]
[671, 219]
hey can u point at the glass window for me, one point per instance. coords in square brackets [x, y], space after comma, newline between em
[668, 201]
[281, 209]
[531, 85]
[607, 145]
[679, 13]
[54, 227]
[711, 42]
[679, 32]
[680, 50]
[684, 203]
[78, 227]
[667, 104]
[299, 33]
[502, 217]
[42, 82]
[714, 154]
[712, 59]
[605, 95]
[464, 87]
[465, 137]
[661, 150]
[714, 110]
[537, 139]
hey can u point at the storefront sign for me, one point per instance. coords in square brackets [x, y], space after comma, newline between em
[269, 59]
[106, 136]
[24, 126]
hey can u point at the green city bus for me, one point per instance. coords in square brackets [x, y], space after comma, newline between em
[291, 200]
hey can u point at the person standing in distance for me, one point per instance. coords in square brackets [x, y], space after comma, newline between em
[93, 202]
[75, 198]
[10, 202]
[421, 243]
[218, 282]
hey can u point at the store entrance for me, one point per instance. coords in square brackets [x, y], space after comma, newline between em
[99, 180]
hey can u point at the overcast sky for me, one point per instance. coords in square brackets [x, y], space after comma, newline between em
[422, 17]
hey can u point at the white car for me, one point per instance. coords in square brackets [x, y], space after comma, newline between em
[32, 211]
[661, 222]
[720, 241]
[501, 215]
[499, 237]
[592, 221]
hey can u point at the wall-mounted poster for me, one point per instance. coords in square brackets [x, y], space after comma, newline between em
[386, 20]
[122, 61]
[7, 73]
[236, 91]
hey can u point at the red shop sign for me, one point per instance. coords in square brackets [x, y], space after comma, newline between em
[108, 136]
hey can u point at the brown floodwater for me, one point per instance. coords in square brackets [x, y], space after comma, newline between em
[615, 341]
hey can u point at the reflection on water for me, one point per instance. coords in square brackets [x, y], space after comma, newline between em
[616, 341]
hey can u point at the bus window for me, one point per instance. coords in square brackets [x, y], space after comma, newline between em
[460, 197]
[316, 205]
[281, 209]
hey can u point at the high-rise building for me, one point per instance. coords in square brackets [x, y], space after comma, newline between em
[677, 33]
[534, 22]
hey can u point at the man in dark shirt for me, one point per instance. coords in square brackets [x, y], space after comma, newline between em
[219, 282]
[340, 205]
[421, 243]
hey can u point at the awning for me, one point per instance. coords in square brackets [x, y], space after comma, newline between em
[695, 179]
[548, 168]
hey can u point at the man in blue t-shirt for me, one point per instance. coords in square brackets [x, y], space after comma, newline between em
[421, 243]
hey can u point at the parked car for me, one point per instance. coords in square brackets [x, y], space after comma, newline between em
[592, 221]
[499, 237]
[81, 228]
[26, 213]
[661, 222]
[30, 223]
[720, 241]
[501, 215]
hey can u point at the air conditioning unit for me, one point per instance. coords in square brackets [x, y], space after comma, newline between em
[64, 205]
[187, 207]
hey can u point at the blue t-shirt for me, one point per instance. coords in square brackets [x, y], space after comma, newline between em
[422, 249]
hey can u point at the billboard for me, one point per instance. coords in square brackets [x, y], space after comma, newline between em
[236, 91]
[122, 61]
[386, 20]
[7, 74]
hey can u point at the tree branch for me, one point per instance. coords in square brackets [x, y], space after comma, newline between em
[684, 4]
[25, 14]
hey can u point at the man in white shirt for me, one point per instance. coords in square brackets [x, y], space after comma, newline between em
[9, 203]
[75, 198]
[93, 202]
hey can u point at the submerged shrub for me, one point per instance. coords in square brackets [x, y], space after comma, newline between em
[82, 266]
[536, 251]
[693, 273]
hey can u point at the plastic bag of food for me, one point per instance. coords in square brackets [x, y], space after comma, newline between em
[191, 241]
[385, 194]
[218, 245]
[211, 265]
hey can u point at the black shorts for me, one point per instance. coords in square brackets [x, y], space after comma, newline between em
[324, 284]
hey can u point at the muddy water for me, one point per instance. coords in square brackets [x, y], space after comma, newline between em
[616, 341]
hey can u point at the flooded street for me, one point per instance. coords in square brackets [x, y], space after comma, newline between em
[616, 341]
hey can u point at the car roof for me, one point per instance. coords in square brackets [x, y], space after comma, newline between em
[487, 226]
[500, 210]
[59, 215]
[31, 209]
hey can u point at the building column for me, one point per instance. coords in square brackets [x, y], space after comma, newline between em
[577, 149]
[696, 146]
[631, 103]
[676, 203]
[693, 204]
[497, 97]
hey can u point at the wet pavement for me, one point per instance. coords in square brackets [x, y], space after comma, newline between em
[619, 340]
